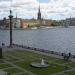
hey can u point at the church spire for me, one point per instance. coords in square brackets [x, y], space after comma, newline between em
[39, 14]
[39, 9]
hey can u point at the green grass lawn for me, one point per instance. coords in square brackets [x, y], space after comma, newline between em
[10, 58]
[71, 73]
[60, 61]
[13, 70]
[23, 59]
[5, 66]
[72, 64]
[40, 71]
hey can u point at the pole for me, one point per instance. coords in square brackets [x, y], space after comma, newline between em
[10, 17]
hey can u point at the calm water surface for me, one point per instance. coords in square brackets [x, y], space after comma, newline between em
[56, 39]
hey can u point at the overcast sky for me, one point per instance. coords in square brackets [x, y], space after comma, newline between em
[50, 9]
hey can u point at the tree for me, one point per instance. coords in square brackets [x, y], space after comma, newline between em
[55, 23]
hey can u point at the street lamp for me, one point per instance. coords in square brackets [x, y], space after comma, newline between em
[10, 18]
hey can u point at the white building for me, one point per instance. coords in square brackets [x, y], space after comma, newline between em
[18, 23]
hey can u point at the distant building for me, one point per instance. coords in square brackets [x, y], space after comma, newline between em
[72, 21]
[17, 23]
[68, 22]
[47, 22]
[39, 14]
[28, 23]
[24, 24]
[1, 24]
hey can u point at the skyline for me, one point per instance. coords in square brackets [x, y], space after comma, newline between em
[27, 9]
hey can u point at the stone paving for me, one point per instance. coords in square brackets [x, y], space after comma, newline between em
[2, 72]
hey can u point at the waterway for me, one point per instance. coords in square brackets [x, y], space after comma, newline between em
[54, 39]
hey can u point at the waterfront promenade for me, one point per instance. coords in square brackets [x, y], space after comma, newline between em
[37, 50]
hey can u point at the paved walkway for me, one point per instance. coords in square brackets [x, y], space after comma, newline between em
[2, 72]
[19, 48]
[48, 54]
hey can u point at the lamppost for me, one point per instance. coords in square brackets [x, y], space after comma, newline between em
[10, 17]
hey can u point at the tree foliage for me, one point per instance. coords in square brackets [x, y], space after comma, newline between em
[56, 23]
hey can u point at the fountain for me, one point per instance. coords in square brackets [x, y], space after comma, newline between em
[40, 64]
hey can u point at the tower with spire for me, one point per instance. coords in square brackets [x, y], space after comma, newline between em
[39, 14]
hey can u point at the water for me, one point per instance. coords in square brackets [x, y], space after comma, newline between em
[56, 39]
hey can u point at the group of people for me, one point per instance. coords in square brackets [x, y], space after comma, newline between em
[67, 56]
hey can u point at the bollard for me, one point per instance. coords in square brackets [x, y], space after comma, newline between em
[0, 53]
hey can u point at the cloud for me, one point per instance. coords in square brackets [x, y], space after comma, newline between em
[5, 0]
[55, 9]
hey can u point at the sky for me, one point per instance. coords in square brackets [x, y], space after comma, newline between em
[27, 9]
